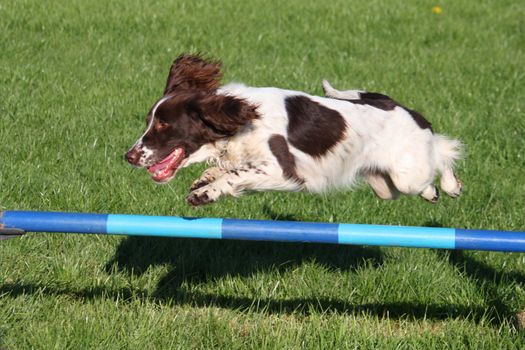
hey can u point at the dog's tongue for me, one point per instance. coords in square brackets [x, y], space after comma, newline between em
[167, 167]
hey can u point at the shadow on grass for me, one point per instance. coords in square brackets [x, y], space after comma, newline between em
[489, 281]
[196, 261]
[203, 260]
[303, 306]
[193, 263]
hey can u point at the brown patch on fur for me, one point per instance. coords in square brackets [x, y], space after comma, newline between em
[376, 100]
[285, 158]
[386, 103]
[419, 119]
[193, 72]
[313, 128]
[199, 184]
[226, 114]
[198, 199]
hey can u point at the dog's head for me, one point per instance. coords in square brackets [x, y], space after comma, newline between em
[190, 115]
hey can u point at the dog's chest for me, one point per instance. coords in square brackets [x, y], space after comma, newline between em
[250, 146]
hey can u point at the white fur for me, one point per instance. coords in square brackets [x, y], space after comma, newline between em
[146, 151]
[387, 148]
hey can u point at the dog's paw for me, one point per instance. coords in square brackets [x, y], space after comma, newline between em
[198, 184]
[431, 194]
[209, 176]
[452, 186]
[435, 198]
[456, 192]
[202, 196]
[196, 199]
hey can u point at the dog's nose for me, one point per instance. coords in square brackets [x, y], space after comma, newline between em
[132, 156]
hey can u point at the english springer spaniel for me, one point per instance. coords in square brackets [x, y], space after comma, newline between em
[262, 139]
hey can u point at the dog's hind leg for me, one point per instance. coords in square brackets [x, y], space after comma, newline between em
[450, 184]
[415, 182]
[431, 194]
[382, 185]
[447, 151]
[413, 174]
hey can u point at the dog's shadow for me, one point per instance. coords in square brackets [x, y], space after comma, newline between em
[200, 261]
[191, 262]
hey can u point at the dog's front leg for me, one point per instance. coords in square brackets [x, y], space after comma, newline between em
[249, 177]
[208, 176]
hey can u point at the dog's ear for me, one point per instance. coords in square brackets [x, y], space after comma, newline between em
[224, 115]
[193, 72]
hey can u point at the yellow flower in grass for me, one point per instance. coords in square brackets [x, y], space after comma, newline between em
[437, 10]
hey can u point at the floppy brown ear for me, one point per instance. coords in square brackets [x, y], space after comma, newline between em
[193, 72]
[225, 115]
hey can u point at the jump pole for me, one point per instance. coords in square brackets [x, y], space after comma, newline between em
[16, 223]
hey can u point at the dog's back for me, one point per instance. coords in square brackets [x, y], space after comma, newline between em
[334, 139]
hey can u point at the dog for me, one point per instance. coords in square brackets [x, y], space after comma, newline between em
[271, 139]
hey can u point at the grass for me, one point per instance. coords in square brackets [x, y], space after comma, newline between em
[76, 80]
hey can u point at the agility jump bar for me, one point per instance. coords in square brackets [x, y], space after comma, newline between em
[13, 223]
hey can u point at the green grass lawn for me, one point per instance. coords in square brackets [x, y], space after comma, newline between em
[76, 81]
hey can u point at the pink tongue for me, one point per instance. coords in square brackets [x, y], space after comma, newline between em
[168, 162]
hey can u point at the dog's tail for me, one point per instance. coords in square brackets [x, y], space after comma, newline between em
[329, 91]
[447, 152]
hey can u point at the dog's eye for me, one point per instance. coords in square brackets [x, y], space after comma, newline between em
[161, 125]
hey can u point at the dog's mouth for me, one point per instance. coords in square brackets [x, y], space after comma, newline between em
[166, 169]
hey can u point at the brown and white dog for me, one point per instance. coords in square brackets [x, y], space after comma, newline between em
[262, 139]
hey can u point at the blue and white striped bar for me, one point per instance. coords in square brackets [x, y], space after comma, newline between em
[264, 230]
